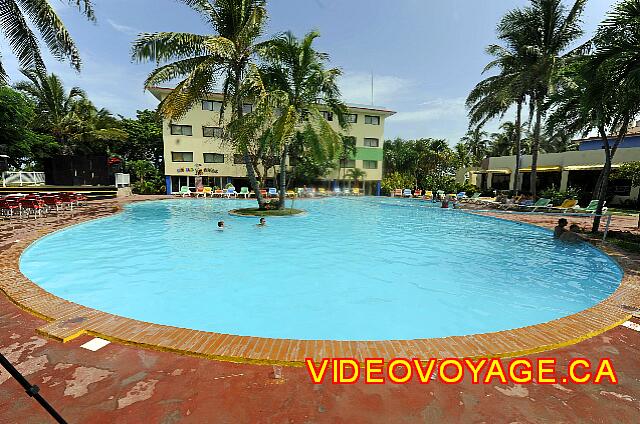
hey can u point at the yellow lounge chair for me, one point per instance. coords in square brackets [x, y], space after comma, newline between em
[208, 191]
[322, 191]
[291, 193]
[428, 195]
[565, 206]
[355, 191]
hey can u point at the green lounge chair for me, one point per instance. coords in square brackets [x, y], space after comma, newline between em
[542, 203]
[184, 191]
[593, 205]
[471, 199]
[244, 191]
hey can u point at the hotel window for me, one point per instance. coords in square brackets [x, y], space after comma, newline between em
[211, 105]
[371, 142]
[238, 160]
[213, 158]
[370, 164]
[347, 163]
[182, 156]
[247, 108]
[327, 115]
[212, 132]
[181, 130]
[372, 120]
[351, 118]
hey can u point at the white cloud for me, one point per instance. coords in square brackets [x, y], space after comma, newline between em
[435, 110]
[355, 87]
[124, 29]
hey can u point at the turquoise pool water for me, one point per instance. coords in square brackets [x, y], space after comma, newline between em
[353, 268]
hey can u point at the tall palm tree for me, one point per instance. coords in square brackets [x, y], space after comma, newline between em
[55, 107]
[601, 91]
[495, 95]
[310, 97]
[545, 30]
[23, 41]
[203, 62]
[476, 141]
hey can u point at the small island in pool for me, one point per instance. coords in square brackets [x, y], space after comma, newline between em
[268, 212]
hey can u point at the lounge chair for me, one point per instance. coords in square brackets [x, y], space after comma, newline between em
[428, 195]
[472, 199]
[406, 192]
[184, 191]
[218, 193]
[565, 206]
[397, 193]
[231, 192]
[337, 191]
[541, 203]
[264, 193]
[322, 191]
[591, 208]
[208, 191]
[417, 193]
[273, 192]
[199, 192]
[461, 195]
[244, 191]
[356, 191]
[291, 193]
[440, 194]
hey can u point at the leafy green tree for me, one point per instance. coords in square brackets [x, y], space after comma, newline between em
[70, 117]
[144, 137]
[601, 91]
[355, 175]
[395, 180]
[17, 139]
[203, 62]
[545, 30]
[308, 98]
[476, 142]
[23, 41]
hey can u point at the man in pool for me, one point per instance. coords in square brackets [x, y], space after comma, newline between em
[263, 223]
[560, 228]
[572, 235]
[220, 225]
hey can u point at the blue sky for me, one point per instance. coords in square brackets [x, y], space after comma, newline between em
[425, 55]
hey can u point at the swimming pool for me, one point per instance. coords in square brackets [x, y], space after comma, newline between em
[351, 269]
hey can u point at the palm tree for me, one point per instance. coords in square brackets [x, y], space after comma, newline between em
[544, 30]
[309, 97]
[23, 41]
[55, 107]
[202, 62]
[355, 175]
[495, 95]
[601, 91]
[476, 141]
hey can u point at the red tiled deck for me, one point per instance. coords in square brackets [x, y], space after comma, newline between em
[66, 320]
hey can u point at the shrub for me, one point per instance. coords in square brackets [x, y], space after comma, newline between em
[557, 196]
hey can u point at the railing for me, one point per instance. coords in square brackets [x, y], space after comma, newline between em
[22, 178]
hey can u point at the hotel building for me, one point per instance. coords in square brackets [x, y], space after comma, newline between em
[577, 169]
[193, 147]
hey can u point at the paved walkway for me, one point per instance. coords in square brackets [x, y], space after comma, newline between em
[124, 384]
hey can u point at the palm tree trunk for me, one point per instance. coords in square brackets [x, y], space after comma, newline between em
[516, 176]
[283, 176]
[535, 147]
[251, 174]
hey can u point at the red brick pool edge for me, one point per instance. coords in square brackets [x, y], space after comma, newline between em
[67, 321]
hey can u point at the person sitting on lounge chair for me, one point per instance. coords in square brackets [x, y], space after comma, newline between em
[560, 228]
[572, 235]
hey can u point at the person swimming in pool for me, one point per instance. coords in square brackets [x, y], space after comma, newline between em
[560, 229]
[263, 223]
[572, 235]
[220, 225]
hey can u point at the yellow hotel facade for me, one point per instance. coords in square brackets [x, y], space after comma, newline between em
[193, 147]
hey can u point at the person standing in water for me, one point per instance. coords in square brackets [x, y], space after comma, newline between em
[560, 228]
[263, 223]
[220, 225]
